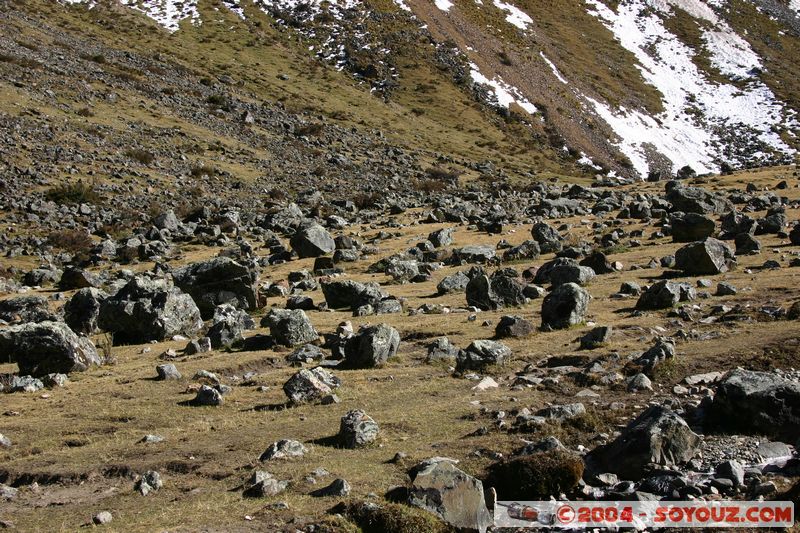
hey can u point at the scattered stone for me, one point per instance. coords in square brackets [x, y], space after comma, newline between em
[310, 385]
[228, 326]
[290, 327]
[705, 257]
[441, 350]
[596, 337]
[167, 371]
[481, 354]
[312, 240]
[439, 487]
[208, 396]
[45, 348]
[357, 429]
[665, 294]
[102, 518]
[149, 482]
[757, 403]
[513, 326]
[372, 346]
[564, 307]
[657, 436]
[147, 310]
[338, 488]
[263, 485]
[283, 449]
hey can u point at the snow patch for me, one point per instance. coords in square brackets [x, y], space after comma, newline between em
[515, 16]
[697, 112]
[444, 5]
[554, 69]
[504, 93]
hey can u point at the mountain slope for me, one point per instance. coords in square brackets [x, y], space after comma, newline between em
[629, 87]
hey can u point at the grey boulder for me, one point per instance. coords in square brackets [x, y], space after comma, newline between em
[372, 346]
[564, 307]
[47, 347]
[290, 327]
[219, 281]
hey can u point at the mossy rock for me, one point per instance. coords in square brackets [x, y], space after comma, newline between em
[541, 474]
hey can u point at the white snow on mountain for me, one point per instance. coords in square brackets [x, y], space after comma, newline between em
[554, 69]
[515, 16]
[695, 109]
[504, 93]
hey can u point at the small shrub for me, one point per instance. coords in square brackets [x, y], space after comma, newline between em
[142, 156]
[202, 170]
[504, 58]
[439, 173]
[70, 240]
[391, 518]
[430, 186]
[84, 112]
[541, 474]
[366, 200]
[310, 130]
[73, 193]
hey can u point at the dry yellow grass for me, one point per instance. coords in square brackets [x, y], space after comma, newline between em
[84, 436]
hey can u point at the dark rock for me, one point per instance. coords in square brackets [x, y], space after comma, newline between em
[350, 294]
[481, 354]
[513, 326]
[564, 307]
[219, 281]
[665, 294]
[746, 244]
[26, 309]
[596, 338]
[760, 403]
[580, 275]
[496, 292]
[372, 346]
[442, 237]
[441, 350]
[454, 496]
[548, 238]
[657, 436]
[310, 385]
[77, 278]
[312, 240]
[45, 348]
[691, 227]
[83, 310]
[357, 429]
[705, 257]
[149, 309]
[228, 326]
[290, 327]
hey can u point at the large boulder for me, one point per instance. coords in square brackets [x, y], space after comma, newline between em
[562, 274]
[357, 429]
[495, 292]
[349, 294]
[290, 327]
[453, 283]
[696, 200]
[26, 309]
[312, 240]
[310, 385]
[372, 346]
[147, 310]
[690, 227]
[481, 354]
[228, 326]
[513, 326]
[438, 486]
[442, 237]
[83, 309]
[219, 281]
[710, 256]
[761, 403]
[564, 307]
[657, 436]
[548, 238]
[473, 254]
[664, 294]
[43, 348]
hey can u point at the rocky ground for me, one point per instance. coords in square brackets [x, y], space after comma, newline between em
[320, 365]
